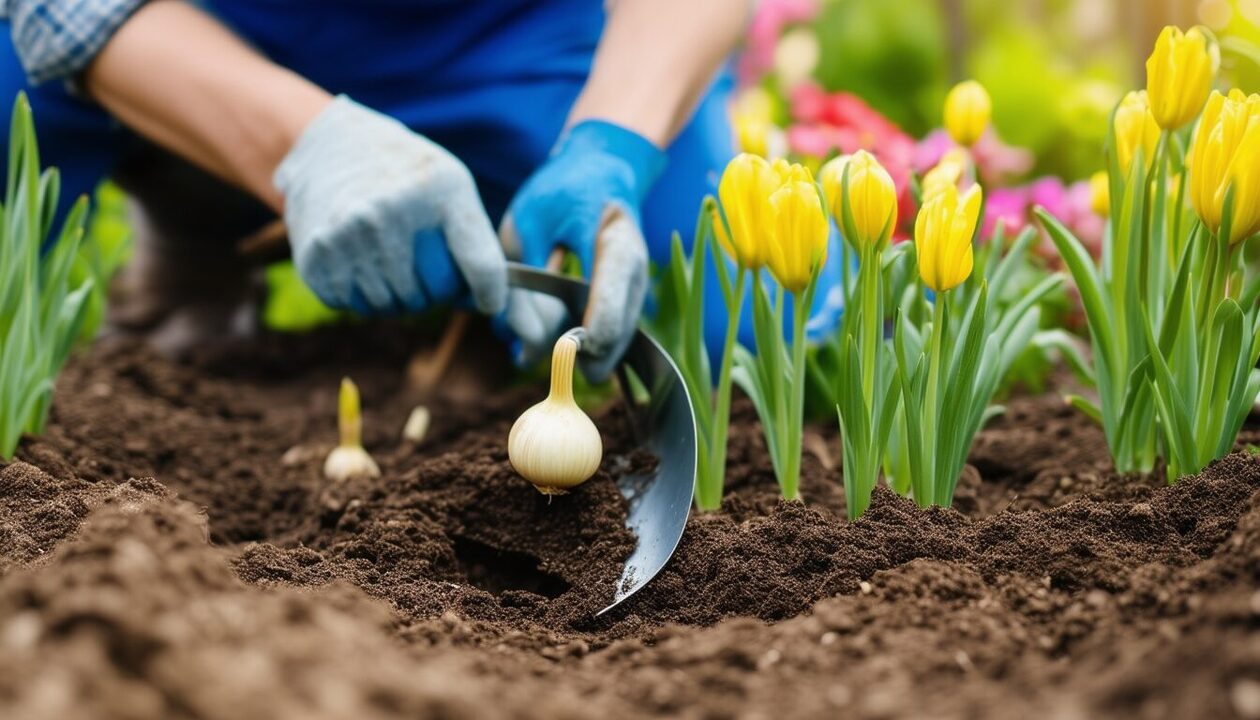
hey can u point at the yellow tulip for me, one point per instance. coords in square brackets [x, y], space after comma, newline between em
[1224, 155]
[872, 196]
[949, 171]
[752, 135]
[1100, 193]
[800, 234]
[745, 190]
[967, 112]
[752, 117]
[942, 237]
[1135, 128]
[788, 172]
[1179, 75]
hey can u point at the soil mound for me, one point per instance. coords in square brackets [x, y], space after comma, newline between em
[231, 581]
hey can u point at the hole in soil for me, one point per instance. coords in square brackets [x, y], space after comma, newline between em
[497, 571]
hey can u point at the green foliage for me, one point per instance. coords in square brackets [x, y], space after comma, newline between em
[892, 54]
[1057, 109]
[950, 369]
[291, 306]
[774, 378]
[1175, 333]
[105, 248]
[41, 310]
[679, 327]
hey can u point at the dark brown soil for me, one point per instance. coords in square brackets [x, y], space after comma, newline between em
[171, 550]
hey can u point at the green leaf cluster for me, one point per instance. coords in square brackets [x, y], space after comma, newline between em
[1175, 329]
[679, 327]
[42, 309]
[950, 369]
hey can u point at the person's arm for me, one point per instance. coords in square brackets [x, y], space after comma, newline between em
[654, 61]
[380, 219]
[178, 77]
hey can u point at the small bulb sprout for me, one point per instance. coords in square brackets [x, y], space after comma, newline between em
[554, 445]
[349, 461]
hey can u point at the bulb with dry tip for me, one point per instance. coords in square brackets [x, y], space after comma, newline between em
[349, 460]
[554, 445]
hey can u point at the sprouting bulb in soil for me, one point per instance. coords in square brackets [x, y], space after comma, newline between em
[554, 445]
[349, 460]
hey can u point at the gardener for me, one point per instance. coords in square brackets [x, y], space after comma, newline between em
[387, 134]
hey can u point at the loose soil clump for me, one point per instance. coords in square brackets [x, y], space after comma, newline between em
[171, 550]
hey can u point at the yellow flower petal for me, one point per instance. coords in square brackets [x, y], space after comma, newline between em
[799, 245]
[943, 234]
[967, 112]
[1135, 128]
[744, 192]
[1224, 154]
[1179, 75]
[872, 196]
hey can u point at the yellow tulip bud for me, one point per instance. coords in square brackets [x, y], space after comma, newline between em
[1179, 75]
[745, 190]
[800, 234]
[1224, 155]
[788, 172]
[872, 196]
[949, 171]
[967, 112]
[1100, 193]
[752, 135]
[1135, 128]
[942, 237]
[752, 117]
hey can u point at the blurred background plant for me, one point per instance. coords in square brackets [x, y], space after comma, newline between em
[820, 78]
[1054, 68]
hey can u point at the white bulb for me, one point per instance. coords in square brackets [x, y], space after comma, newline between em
[348, 462]
[554, 445]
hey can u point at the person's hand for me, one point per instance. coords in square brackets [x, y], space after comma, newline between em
[381, 220]
[585, 198]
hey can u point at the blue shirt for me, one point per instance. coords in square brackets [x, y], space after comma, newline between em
[465, 42]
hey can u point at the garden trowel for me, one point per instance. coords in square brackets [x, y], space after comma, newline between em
[664, 425]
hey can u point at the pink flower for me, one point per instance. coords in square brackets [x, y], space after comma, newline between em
[999, 163]
[763, 34]
[996, 162]
[842, 123]
[1008, 206]
[813, 140]
[929, 151]
[1070, 204]
[1088, 225]
[808, 102]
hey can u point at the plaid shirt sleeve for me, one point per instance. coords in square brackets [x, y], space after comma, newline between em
[56, 39]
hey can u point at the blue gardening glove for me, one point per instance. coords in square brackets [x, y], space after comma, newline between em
[381, 220]
[585, 198]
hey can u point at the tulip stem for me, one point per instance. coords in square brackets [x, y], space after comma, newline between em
[711, 493]
[795, 418]
[869, 276]
[780, 410]
[931, 404]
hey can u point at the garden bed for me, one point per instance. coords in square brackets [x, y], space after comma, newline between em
[171, 549]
